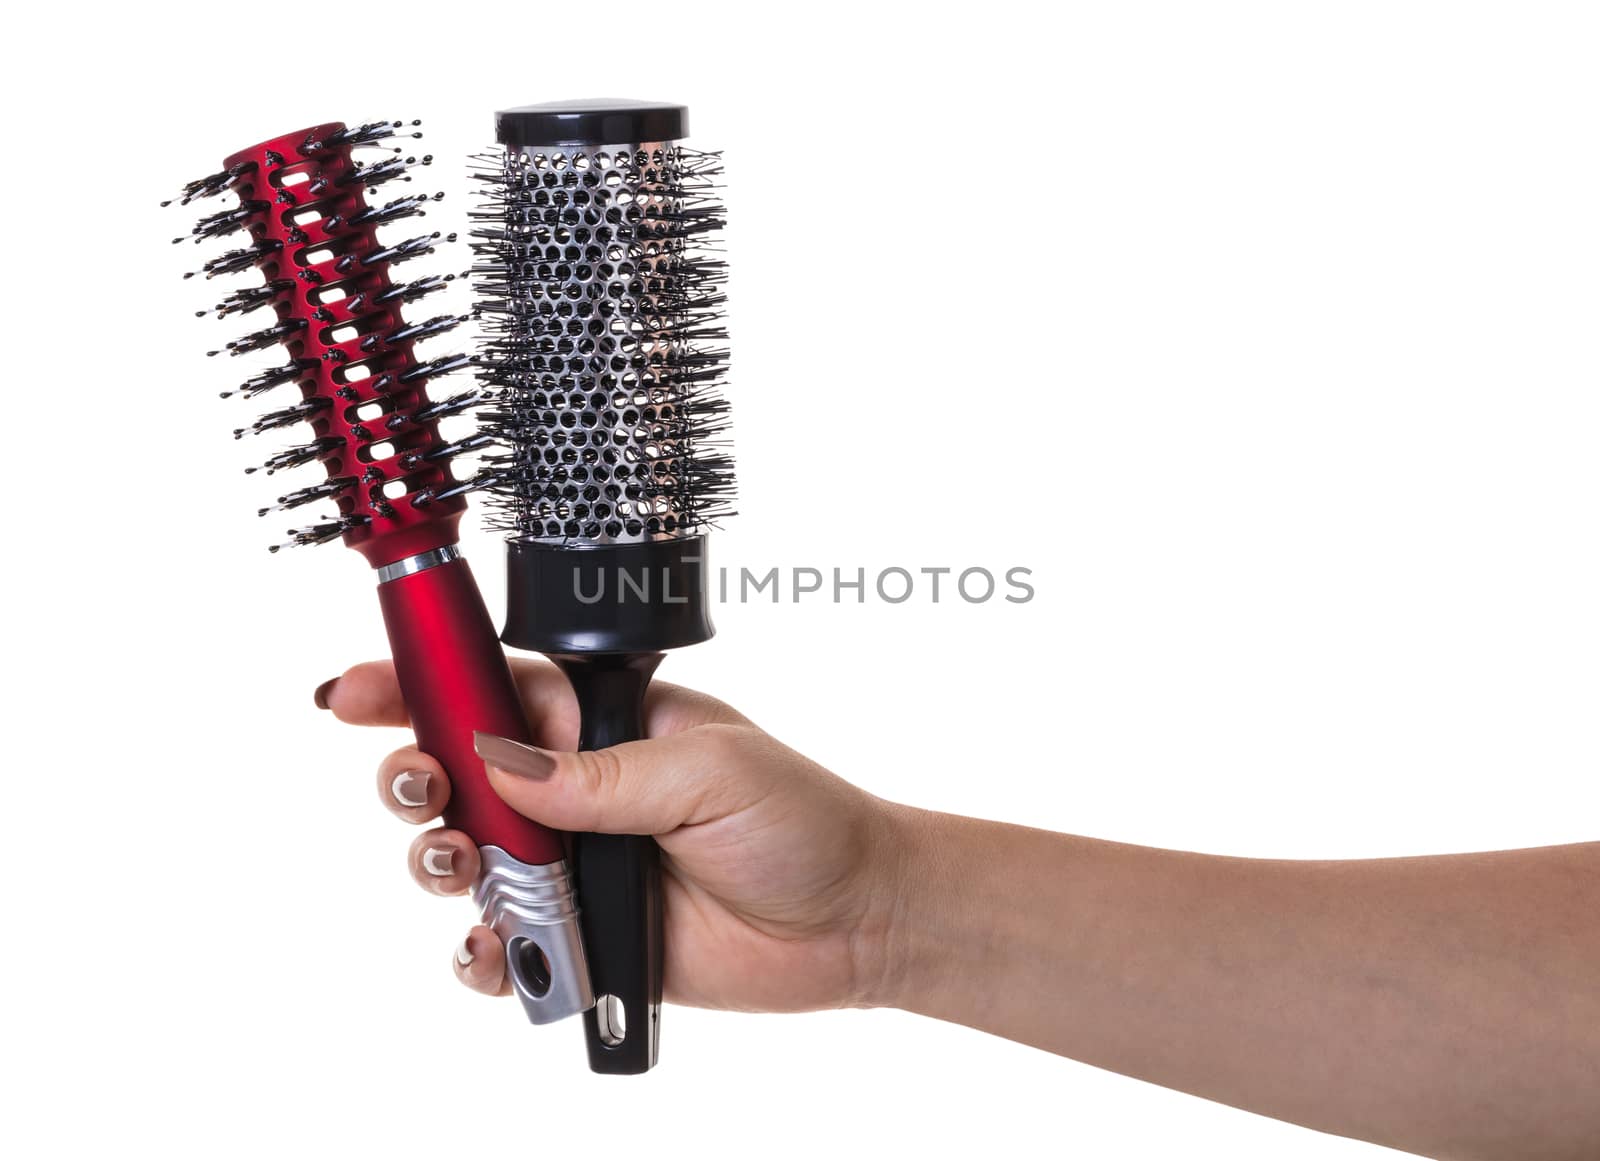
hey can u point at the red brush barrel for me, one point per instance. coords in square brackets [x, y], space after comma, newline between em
[333, 291]
[452, 671]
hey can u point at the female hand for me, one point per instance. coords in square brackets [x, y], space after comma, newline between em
[1446, 1005]
[780, 879]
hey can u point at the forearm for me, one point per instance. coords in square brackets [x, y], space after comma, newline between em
[1449, 1005]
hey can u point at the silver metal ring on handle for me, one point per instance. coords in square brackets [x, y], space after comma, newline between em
[421, 562]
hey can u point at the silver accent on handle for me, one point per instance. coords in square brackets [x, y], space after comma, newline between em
[419, 563]
[534, 912]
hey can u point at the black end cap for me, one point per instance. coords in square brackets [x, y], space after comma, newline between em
[607, 598]
[601, 121]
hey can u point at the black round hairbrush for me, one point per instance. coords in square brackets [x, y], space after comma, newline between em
[600, 295]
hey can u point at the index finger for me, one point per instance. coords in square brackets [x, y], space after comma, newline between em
[368, 694]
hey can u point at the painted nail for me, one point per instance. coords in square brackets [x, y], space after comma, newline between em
[514, 757]
[439, 861]
[410, 787]
[464, 955]
[321, 696]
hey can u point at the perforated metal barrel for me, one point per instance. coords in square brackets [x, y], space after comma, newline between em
[599, 301]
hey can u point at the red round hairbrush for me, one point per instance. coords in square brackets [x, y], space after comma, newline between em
[364, 393]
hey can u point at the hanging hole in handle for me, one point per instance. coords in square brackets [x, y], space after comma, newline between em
[529, 965]
[611, 1019]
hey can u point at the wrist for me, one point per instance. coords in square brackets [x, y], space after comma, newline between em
[916, 940]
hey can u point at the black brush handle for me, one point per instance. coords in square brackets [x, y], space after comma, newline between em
[618, 877]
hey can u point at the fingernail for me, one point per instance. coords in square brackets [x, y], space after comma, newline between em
[321, 696]
[514, 757]
[410, 787]
[464, 955]
[439, 861]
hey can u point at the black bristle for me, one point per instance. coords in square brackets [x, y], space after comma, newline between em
[405, 291]
[225, 222]
[321, 491]
[600, 295]
[434, 369]
[437, 325]
[399, 252]
[264, 338]
[271, 378]
[320, 533]
[476, 483]
[408, 207]
[391, 169]
[235, 260]
[440, 409]
[357, 135]
[284, 417]
[448, 451]
[211, 185]
[251, 298]
[293, 457]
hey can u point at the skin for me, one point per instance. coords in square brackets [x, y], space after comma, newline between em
[1447, 1006]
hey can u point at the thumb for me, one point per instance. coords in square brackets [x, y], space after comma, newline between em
[647, 787]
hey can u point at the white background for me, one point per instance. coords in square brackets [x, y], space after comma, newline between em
[1263, 333]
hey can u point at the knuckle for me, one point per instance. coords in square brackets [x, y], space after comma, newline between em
[725, 744]
[731, 772]
[711, 711]
[596, 772]
[406, 758]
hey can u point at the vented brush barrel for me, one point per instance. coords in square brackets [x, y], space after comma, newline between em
[600, 300]
[310, 231]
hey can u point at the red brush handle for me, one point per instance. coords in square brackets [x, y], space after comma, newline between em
[454, 677]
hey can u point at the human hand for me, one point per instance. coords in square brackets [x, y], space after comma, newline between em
[1295, 988]
[781, 880]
